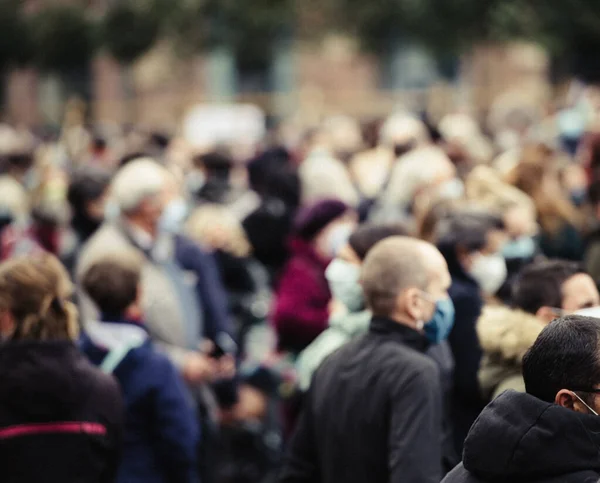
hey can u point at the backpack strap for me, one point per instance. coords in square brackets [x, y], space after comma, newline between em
[112, 360]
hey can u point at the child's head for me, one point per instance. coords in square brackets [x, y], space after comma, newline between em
[34, 305]
[113, 284]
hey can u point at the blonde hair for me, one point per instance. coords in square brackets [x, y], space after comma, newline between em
[553, 207]
[216, 227]
[34, 290]
[486, 187]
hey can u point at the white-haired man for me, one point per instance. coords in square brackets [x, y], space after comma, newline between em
[182, 296]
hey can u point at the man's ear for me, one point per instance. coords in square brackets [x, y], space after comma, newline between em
[409, 301]
[566, 399]
[135, 311]
[547, 314]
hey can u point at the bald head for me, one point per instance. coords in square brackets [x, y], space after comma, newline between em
[398, 264]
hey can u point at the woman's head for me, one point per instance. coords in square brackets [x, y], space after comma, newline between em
[472, 241]
[34, 303]
[88, 192]
[542, 182]
[216, 227]
[326, 225]
[484, 187]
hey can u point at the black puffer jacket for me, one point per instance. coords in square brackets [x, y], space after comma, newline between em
[60, 418]
[518, 439]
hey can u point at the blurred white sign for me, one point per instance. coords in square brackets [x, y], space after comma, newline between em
[209, 124]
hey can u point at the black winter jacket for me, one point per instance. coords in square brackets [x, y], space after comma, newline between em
[60, 418]
[372, 414]
[520, 439]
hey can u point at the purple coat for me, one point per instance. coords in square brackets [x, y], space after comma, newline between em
[301, 309]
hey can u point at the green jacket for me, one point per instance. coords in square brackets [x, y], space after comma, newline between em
[341, 330]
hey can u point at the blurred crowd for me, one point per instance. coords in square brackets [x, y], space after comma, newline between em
[336, 302]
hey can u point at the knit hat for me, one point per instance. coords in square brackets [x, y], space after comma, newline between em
[312, 219]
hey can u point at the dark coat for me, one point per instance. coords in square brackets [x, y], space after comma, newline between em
[301, 310]
[520, 439]
[372, 414]
[209, 288]
[60, 418]
[268, 229]
[467, 402]
[161, 427]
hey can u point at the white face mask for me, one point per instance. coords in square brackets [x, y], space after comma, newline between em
[338, 237]
[111, 211]
[174, 215]
[590, 312]
[489, 271]
[453, 189]
[344, 282]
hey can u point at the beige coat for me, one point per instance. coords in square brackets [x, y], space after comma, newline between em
[505, 336]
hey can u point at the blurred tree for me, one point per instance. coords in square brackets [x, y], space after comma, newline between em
[15, 42]
[63, 38]
[451, 27]
[249, 28]
[129, 29]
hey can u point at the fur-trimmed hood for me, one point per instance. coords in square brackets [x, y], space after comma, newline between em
[507, 334]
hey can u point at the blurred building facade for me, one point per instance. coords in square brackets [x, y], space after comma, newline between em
[304, 79]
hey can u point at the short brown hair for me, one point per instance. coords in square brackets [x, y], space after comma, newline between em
[393, 265]
[112, 283]
[35, 290]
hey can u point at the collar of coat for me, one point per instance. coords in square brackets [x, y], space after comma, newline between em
[507, 333]
[399, 333]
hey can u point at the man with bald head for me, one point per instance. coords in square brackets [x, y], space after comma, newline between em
[373, 412]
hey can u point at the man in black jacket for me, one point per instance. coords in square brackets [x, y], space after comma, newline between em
[373, 411]
[552, 433]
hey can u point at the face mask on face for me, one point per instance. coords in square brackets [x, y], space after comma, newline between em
[438, 328]
[489, 271]
[522, 247]
[589, 312]
[343, 278]
[111, 211]
[338, 237]
[173, 216]
[452, 189]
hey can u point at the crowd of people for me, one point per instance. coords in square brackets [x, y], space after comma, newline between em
[399, 301]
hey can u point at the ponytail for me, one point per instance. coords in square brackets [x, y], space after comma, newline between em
[35, 290]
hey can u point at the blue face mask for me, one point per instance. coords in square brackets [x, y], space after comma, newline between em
[523, 247]
[438, 328]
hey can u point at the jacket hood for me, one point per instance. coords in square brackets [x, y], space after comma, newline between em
[521, 438]
[507, 334]
[42, 380]
[352, 324]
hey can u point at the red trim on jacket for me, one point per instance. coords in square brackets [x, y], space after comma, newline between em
[49, 428]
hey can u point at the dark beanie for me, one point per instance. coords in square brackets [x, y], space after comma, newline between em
[312, 219]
